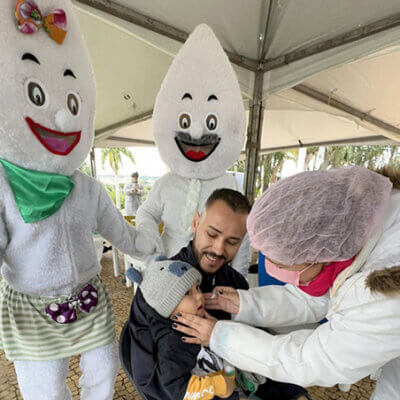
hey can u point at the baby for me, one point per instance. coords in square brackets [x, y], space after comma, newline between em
[188, 371]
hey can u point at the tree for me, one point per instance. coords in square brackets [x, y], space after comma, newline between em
[238, 166]
[310, 155]
[85, 168]
[271, 165]
[368, 156]
[114, 158]
[394, 157]
[334, 157]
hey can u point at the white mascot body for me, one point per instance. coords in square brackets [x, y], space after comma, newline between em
[53, 304]
[199, 126]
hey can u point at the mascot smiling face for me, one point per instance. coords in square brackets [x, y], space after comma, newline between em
[46, 87]
[199, 119]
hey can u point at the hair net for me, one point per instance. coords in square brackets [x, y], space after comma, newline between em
[319, 216]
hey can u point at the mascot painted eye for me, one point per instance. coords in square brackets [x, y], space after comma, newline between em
[73, 103]
[185, 121]
[211, 122]
[36, 94]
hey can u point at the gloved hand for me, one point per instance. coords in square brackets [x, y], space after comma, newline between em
[148, 243]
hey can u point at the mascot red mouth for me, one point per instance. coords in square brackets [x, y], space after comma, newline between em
[59, 143]
[196, 149]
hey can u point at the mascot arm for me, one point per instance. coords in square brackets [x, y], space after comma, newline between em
[3, 233]
[112, 225]
[150, 212]
[148, 219]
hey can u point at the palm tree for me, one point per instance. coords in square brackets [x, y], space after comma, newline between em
[238, 166]
[270, 166]
[394, 158]
[367, 156]
[85, 168]
[311, 154]
[114, 157]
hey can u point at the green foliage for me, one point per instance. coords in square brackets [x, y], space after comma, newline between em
[114, 157]
[238, 166]
[111, 192]
[270, 165]
[85, 168]
[147, 189]
[368, 156]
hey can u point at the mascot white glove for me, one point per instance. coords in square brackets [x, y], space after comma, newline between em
[148, 243]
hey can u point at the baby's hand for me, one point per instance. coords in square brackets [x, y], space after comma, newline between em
[230, 386]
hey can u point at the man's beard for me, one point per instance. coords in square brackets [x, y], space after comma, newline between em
[199, 254]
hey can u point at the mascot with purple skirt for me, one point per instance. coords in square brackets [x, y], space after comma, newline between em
[53, 304]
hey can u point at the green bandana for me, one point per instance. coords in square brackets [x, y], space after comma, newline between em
[38, 194]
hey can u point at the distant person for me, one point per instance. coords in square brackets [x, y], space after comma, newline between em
[133, 195]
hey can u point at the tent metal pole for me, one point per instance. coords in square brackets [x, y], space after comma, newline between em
[134, 17]
[103, 133]
[355, 142]
[254, 132]
[93, 163]
[365, 116]
[266, 31]
[132, 141]
[348, 37]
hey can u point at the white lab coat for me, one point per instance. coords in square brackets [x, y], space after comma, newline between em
[362, 333]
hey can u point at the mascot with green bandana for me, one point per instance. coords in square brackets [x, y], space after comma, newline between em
[53, 303]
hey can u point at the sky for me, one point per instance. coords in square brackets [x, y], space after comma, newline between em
[147, 159]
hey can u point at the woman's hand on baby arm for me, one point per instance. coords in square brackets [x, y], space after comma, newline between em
[223, 298]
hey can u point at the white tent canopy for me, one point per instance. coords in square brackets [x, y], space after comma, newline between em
[293, 117]
[322, 71]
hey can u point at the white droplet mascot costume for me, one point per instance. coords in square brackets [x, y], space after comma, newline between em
[199, 126]
[53, 304]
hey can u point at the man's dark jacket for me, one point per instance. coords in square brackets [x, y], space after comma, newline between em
[137, 346]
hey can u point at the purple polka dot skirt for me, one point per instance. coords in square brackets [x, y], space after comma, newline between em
[49, 328]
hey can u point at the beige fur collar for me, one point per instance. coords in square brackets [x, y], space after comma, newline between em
[385, 281]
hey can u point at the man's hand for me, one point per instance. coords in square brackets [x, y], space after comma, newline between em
[223, 298]
[199, 329]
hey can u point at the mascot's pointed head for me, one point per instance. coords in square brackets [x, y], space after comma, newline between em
[47, 93]
[199, 119]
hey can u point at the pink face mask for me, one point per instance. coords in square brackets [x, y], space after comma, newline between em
[319, 285]
[284, 275]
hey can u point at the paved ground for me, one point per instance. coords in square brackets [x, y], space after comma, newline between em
[122, 298]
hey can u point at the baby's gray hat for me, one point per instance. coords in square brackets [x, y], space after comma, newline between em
[164, 283]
